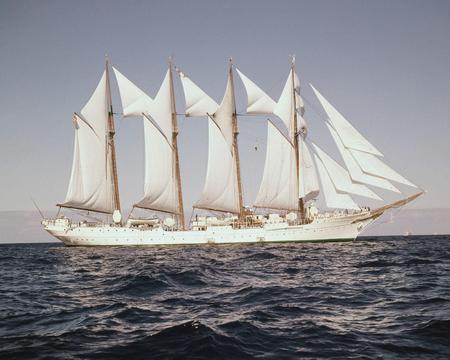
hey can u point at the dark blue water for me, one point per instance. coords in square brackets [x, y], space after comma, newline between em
[374, 298]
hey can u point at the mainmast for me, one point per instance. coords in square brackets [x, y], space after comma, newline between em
[175, 150]
[235, 144]
[296, 134]
[112, 148]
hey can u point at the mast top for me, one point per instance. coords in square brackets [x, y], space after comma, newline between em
[292, 60]
[230, 64]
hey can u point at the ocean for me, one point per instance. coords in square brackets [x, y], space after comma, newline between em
[378, 297]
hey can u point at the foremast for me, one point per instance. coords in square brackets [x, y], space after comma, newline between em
[112, 148]
[296, 133]
[175, 149]
[289, 178]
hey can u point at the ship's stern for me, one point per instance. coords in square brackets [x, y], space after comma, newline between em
[58, 228]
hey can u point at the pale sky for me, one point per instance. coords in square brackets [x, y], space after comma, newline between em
[384, 64]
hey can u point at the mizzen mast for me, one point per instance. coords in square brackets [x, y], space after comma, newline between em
[93, 184]
[235, 144]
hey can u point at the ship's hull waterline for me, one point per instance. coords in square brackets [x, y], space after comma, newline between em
[341, 228]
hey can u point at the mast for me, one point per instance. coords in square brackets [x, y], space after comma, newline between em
[235, 144]
[111, 133]
[301, 205]
[175, 150]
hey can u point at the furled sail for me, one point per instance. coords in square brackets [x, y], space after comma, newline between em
[258, 102]
[341, 178]
[279, 188]
[350, 137]
[220, 191]
[198, 103]
[333, 198]
[160, 182]
[160, 186]
[354, 169]
[308, 183]
[91, 181]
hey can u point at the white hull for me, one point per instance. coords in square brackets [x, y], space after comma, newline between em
[333, 228]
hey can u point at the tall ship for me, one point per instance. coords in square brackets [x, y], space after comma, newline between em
[297, 171]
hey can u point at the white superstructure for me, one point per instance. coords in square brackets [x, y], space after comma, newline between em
[297, 171]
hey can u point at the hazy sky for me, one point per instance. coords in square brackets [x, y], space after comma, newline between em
[384, 64]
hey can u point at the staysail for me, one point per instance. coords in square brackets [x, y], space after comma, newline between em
[333, 198]
[93, 181]
[354, 169]
[358, 152]
[136, 102]
[161, 186]
[341, 178]
[372, 165]
[351, 138]
[258, 102]
[198, 103]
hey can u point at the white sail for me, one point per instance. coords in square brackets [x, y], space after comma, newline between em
[333, 199]
[223, 116]
[290, 102]
[198, 103]
[372, 165]
[284, 107]
[220, 191]
[350, 137]
[160, 186]
[355, 170]
[308, 183]
[135, 102]
[161, 109]
[341, 178]
[279, 188]
[258, 102]
[91, 185]
[299, 100]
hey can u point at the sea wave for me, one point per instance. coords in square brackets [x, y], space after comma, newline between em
[375, 298]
